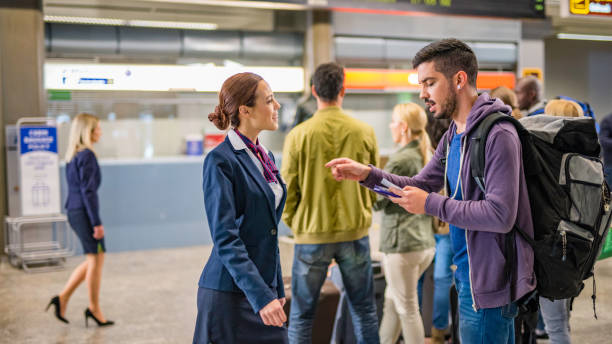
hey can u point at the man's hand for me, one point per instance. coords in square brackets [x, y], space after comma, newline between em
[411, 199]
[98, 232]
[273, 314]
[345, 168]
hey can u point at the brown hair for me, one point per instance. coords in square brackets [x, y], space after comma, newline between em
[508, 97]
[239, 89]
[505, 94]
[563, 108]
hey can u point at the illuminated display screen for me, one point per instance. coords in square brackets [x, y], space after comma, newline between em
[591, 7]
[490, 8]
[116, 77]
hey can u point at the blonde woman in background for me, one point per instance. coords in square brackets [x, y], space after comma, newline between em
[563, 108]
[509, 98]
[83, 179]
[407, 240]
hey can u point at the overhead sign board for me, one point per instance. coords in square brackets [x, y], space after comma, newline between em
[115, 77]
[587, 8]
[490, 8]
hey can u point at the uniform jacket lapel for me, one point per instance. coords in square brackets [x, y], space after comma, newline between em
[245, 160]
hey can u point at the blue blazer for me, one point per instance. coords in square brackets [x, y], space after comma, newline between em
[83, 178]
[243, 222]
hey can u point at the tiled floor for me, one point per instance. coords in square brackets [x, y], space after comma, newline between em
[151, 295]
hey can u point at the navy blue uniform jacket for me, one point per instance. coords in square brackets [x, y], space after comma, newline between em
[84, 178]
[243, 223]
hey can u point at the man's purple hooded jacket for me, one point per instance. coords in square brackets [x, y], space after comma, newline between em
[486, 217]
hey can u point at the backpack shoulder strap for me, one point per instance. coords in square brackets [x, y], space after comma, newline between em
[479, 141]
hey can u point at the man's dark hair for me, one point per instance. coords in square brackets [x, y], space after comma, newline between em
[449, 57]
[328, 80]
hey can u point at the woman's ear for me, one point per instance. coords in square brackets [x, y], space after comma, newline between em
[244, 110]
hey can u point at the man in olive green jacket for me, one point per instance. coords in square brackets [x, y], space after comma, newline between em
[329, 220]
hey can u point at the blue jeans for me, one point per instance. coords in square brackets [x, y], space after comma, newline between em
[484, 326]
[556, 320]
[608, 174]
[443, 278]
[309, 271]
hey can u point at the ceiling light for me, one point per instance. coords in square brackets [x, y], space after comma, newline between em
[413, 79]
[272, 5]
[84, 20]
[136, 23]
[172, 24]
[602, 38]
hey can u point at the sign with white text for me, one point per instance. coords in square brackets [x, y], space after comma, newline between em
[39, 170]
[586, 8]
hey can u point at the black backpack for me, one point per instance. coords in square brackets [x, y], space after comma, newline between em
[569, 198]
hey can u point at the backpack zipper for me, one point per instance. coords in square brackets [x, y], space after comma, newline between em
[564, 244]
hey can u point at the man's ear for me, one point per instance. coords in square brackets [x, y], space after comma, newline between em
[342, 92]
[461, 79]
[313, 91]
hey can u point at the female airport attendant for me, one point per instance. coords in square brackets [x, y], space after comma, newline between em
[83, 179]
[241, 293]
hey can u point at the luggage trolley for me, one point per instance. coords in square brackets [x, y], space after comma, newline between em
[40, 234]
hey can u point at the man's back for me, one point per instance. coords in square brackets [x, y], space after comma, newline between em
[319, 209]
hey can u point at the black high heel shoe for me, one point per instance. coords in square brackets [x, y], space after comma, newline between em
[89, 314]
[56, 302]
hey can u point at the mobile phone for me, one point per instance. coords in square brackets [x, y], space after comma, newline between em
[384, 191]
[388, 184]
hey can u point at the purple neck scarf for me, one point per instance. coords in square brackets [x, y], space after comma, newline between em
[270, 169]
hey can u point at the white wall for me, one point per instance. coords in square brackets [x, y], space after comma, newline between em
[582, 70]
[531, 55]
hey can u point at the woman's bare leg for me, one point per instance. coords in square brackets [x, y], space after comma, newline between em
[94, 279]
[77, 276]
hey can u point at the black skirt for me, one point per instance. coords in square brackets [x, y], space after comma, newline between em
[226, 317]
[79, 221]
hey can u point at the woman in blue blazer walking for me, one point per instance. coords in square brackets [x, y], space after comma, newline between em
[83, 179]
[241, 293]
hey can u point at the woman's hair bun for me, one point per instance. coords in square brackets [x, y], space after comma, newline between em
[219, 118]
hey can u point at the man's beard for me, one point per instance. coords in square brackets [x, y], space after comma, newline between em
[448, 107]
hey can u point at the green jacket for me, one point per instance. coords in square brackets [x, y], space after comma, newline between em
[320, 209]
[402, 231]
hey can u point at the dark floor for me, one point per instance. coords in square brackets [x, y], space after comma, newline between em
[151, 295]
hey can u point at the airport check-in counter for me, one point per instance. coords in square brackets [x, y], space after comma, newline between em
[152, 203]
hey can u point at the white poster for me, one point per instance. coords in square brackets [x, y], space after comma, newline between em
[39, 170]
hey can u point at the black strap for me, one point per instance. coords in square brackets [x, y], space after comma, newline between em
[510, 259]
[477, 168]
[592, 297]
[479, 143]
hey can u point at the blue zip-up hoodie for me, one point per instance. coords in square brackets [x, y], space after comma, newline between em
[488, 216]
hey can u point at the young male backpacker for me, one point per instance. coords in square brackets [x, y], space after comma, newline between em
[479, 221]
[570, 200]
[570, 204]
